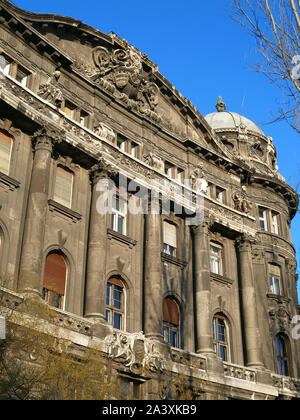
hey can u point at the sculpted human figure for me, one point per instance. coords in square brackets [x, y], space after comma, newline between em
[50, 91]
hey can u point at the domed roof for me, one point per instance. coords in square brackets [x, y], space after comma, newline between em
[230, 120]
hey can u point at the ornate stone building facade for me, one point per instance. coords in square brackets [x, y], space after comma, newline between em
[160, 294]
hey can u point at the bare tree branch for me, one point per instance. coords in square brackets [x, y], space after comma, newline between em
[275, 26]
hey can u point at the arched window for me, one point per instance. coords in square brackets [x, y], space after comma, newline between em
[63, 189]
[171, 321]
[281, 355]
[115, 303]
[220, 337]
[55, 279]
[5, 152]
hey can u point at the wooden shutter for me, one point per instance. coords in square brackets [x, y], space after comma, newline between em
[5, 149]
[63, 186]
[170, 232]
[170, 311]
[55, 274]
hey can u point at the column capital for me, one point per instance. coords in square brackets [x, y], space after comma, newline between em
[102, 170]
[46, 137]
[203, 228]
[245, 242]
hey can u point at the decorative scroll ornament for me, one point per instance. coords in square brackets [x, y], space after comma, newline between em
[121, 74]
[280, 319]
[134, 351]
[155, 161]
[51, 92]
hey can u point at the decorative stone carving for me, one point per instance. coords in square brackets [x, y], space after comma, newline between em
[101, 170]
[134, 351]
[198, 181]
[51, 92]
[280, 318]
[47, 136]
[121, 74]
[104, 131]
[271, 155]
[239, 372]
[241, 202]
[155, 161]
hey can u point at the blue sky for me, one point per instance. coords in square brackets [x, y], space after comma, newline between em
[202, 52]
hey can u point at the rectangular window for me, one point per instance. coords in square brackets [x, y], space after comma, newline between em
[263, 220]
[83, 119]
[180, 176]
[130, 389]
[121, 143]
[275, 223]
[7, 65]
[63, 187]
[274, 276]
[134, 149]
[5, 152]
[169, 169]
[119, 215]
[70, 109]
[170, 239]
[216, 259]
[22, 76]
[220, 195]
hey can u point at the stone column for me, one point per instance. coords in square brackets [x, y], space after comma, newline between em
[153, 299]
[249, 311]
[95, 294]
[31, 276]
[203, 291]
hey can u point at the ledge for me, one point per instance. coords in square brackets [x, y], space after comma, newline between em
[121, 238]
[10, 182]
[279, 298]
[71, 214]
[173, 260]
[221, 279]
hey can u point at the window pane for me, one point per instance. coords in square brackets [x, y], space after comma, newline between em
[108, 294]
[173, 340]
[108, 316]
[125, 388]
[117, 297]
[120, 224]
[117, 321]
[223, 353]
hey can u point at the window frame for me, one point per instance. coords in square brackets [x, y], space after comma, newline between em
[282, 361]
[275, 227]
[263, 218]
[169, 328]
[116, 213]
[220, 258]
[46, 293]
[274, 272]
[109, 303]
[169, 249]
[217, 342]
